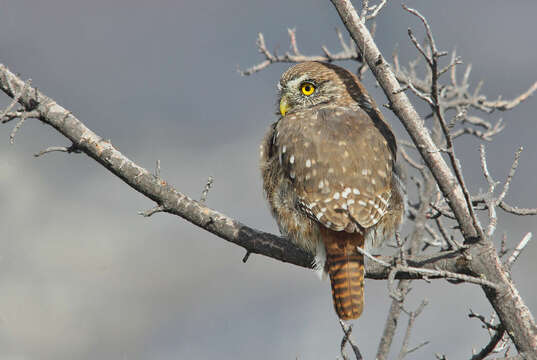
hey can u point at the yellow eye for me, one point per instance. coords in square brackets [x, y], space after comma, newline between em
[307, 89]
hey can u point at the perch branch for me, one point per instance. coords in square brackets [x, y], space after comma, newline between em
[169, 200]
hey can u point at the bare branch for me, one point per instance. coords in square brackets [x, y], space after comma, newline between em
[516, 210]
[206, 189]
[15, 129]
[152, 211]
[376, 10]
[433, 101]
[19, 114]
[69, 150]
[486, 324]
[411, 161]
[371, 257]
[483, 135]
[503, 105]
[511, 174]
[489, 348]
[392, 320]
[480, 199]
[347, 330]
[157, 169]
[172, 201]
[348, 53]
[518, 250]
[411, 319]
[15, 99]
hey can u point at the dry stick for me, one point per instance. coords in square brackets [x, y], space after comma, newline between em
[516, 210]
[174, 202]
[518, 250]
[480, 199]
[398, 294]
[50, 149]
[509, 104]
[206, 189]
[347, 330]
[17, 114]
[432, 61]
[489, 199]
[486, 324]
[391, 322]
[491, 204]
[489, 348]
[507, 302]
[376, 10]
[348, 53]
[411, 319]
[15, 100]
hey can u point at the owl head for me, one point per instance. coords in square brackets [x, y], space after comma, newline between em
[313, 83]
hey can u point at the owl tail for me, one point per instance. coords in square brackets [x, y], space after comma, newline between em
[345, 266]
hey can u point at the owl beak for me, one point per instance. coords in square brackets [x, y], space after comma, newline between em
[284, 105]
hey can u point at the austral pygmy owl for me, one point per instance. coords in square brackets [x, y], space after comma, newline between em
[328, 173]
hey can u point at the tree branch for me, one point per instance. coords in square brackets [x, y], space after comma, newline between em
[169, 200]
[507, 302]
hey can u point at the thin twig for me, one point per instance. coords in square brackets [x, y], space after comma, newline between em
[486, 324]
[518, 250]
[392, 320]
[511, 174]
[406, 339]
[70, 149]
[376, 10]
[347, 330]
[489, 348]
[348, 53]
[206, 189]
[15, 99]
[157, 169]
[152, 211]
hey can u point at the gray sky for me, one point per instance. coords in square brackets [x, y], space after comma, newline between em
[82, 276]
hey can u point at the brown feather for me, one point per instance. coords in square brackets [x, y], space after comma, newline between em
[345, 266]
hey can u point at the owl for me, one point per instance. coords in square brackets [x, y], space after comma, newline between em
[328, 169]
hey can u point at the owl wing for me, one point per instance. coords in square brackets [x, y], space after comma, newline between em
[340, 163]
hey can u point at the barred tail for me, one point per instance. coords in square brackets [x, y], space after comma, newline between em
[345, 267]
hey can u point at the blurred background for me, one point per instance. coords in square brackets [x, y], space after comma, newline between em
[82, 276]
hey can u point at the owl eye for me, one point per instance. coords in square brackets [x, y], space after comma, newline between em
[307, 88]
